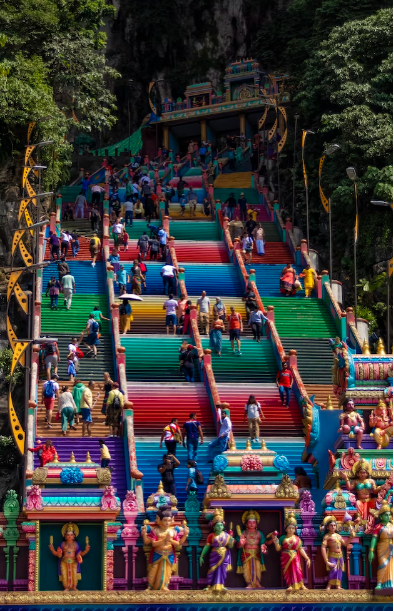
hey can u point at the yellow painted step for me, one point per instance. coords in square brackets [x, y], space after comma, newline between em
[236, 180]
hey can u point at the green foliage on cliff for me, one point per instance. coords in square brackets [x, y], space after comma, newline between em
[339, 58]
[53, 71]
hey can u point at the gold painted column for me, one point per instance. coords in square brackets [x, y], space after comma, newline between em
[166, 137]
[281, 124]
[242, 124]
[203, 129]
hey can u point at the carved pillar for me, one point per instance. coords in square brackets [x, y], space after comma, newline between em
[130, 533]
[30, 529]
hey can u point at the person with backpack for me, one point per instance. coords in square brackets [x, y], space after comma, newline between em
[95, 217]
[67, 410]
[125, 316]
[172, 436]
[247, 248]
[162, 237]
[194, 477]
[46, 452]
[143, 244]
[235, 329]
[115, 403]
[94, 247]
[105, 456]
[54, 242]
[192, 200]
[187, 363]
[65, 243]
[191, 433]
[63, 269]
[50, 390]
[77, 392]
[68, 283]
[92, 339]
[153, 248]
[53, 287]
[52, 358]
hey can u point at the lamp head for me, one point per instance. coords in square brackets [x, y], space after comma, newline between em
[352, 174]
[308, 131]
[333, 148]
[381, 203]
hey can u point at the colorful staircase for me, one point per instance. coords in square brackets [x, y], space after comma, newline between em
[180, 230]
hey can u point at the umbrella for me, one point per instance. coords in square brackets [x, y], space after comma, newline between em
[130, 296]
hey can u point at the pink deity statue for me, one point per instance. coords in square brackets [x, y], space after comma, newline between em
[351, 423]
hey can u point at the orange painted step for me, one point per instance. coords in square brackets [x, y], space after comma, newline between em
[280, 421]
[98, 427]
[156, 404]
[321, 392]
[83, 254]
[275, 252]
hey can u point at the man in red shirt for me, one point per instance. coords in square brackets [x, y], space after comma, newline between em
[48, 452]
[235, 329]
[284, 380]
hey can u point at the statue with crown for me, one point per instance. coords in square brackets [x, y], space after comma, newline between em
[70, 556]
[251, 547]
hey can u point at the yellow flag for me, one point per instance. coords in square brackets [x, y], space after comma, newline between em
[390, 268]
[356, 231]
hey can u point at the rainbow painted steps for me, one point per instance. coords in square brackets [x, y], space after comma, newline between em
[201, 252]
[256, 365]
[88, 280]
[314, 359]
[156, 404]
[223, 193]
[74, 320]
[216, 280]
[267, 279]
[180, 230]
[300, 317]
[287, 421]
[153, 358]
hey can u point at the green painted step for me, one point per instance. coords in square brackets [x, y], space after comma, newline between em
[89, 368]
[72, 321]
[299, 317]
[154, 359]
[251, 195]
[257, 363]
[314, 359]
[271, 233]
[180, 230]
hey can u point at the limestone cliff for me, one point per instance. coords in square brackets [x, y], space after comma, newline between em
[179, 43]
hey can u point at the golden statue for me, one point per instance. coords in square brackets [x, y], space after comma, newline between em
[251, 544]
[364, 487]
[331, 551]
[70, 556]
[164, 539]
[381, 421]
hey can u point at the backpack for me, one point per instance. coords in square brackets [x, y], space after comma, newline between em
[199, 477]
[154, 246]
[79, 353]
[94, 327]
[116, 403]
[122, 310]
[49, 390]
[92, 242]
[50, 350]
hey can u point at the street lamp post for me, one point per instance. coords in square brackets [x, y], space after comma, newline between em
[333, 148]
[389, 271]
[296, 117]
[129, 86]
[305, 132]
[352, 175]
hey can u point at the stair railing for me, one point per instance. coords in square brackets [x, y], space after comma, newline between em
[204, 355]
[120, 366]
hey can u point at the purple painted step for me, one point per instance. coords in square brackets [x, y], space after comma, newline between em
[65, 445]
[368, 443]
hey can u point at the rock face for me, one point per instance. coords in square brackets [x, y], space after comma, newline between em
[181, 42]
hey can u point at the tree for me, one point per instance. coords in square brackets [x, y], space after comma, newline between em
[53, 71]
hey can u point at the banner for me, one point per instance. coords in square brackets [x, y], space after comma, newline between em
[356, 230]
[324, 200]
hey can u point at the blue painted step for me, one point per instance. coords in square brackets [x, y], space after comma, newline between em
[88, 280]
[267, 279]
[215, 279]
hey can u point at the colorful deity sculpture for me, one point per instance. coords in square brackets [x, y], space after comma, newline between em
[331, 551]
[70, 556]
[363, 485]
[351, 423]
[218, 543]
[251, 544]
[290, 546]
[381, 421]
[382, 540]
[163, 538]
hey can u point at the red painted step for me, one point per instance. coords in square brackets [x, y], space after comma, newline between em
[280, 421]
[186, 252]
[83, 254]
[275, 253]
[156, 404]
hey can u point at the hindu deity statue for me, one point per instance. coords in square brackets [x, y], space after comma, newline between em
[251, 544]
[381, 422]
[70, 556]
[164, 539]
[290, 546]
[331, 550]
[218, 543]
[363, 485]
[382, 539]
[351, 423]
